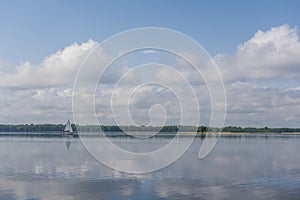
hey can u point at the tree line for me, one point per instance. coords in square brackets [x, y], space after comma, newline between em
[235, 129]
[104, 128]
[31, 128]
[92, 128]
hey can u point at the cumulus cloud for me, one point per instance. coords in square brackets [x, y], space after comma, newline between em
[41, 93]
[252, 105]
[58, 69]
[47, 105]
[254, 73]
[32, 93]
[268, 55]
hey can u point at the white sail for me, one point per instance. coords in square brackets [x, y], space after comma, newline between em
[68, 127]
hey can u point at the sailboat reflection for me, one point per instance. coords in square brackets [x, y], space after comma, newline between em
[68, 140]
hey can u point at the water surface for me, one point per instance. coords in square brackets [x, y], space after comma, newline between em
[237, 168]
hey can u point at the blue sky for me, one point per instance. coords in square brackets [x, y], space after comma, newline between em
[31, 30]
[254, 43]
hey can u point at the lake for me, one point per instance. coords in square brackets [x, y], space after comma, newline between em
[245, 167]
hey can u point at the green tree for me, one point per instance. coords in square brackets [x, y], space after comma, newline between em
[202, 129]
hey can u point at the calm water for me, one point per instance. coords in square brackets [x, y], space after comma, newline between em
[237, 168]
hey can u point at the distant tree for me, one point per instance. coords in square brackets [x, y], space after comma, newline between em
[202, 129]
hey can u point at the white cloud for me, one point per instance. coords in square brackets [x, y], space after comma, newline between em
[32, 93]
[269, 55]
[41, 93]
[258, 79]
[35, 105]
[250, 105]
[58, 69]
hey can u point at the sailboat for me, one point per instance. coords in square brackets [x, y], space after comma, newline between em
[68, 129]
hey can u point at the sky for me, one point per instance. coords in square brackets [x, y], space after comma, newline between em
[255, 44]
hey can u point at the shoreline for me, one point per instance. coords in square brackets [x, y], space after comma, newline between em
[241, 133]
[148, 134]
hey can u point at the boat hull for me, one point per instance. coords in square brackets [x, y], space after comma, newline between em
[67, 133]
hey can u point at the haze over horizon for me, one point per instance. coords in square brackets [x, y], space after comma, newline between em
[257, 54]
